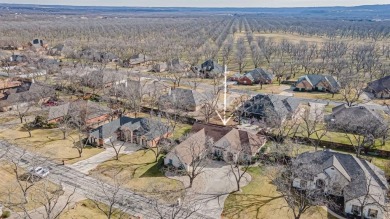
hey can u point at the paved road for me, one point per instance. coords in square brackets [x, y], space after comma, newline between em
[212, 187]
[205, 86]
[133, 204]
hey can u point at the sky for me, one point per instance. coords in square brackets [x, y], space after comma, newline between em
[203, 3]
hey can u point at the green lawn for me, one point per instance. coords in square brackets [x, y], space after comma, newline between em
[181, 130]
[259, 199]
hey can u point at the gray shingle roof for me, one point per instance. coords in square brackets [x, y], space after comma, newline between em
[380, 85]
[211, 68]
[58, 111]
[315, 79]
[185, 97]
[357, 120]
[257, 74]
[274, 108]
[151, 129]
[360, 171]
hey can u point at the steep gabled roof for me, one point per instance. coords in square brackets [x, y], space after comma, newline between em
[361, 173]
[188, 96]
[226, 138]
[380, 85]
[212, 67]
[334, 162]
[192, 147]
[237, 141]
[144, 127]
[216, 132]
[314, 80]
[258, 73]
[270, 106]
[59, 111]
[357, 120]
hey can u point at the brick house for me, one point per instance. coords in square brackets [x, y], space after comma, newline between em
[226, 143]
[141, 131]
[324, 83]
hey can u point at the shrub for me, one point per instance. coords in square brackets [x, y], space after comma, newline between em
[6, 214]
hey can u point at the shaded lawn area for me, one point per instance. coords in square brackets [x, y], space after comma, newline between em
[342, 138]
[87, 209]
[318, 95]
[273, 88]
[10, 192]
[259, 199]
[140, 172]
[180, 130]
[49, 143]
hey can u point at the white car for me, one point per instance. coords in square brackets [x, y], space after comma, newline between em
[39, 171]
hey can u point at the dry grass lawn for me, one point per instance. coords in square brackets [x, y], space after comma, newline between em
[259, 199]
[140, 172]
[48, 142]
[87, 209]
[11, 193]
[274, 88]
[318, 95]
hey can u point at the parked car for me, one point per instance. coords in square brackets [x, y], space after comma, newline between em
[39, 171]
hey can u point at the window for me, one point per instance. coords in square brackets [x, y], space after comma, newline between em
[372, 213]
[170, 161]
[303, 184]
[356, 210]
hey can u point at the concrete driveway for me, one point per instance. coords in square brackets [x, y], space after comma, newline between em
[91, 163]
[211, 188]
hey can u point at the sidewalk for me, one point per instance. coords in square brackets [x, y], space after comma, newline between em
[91, 163]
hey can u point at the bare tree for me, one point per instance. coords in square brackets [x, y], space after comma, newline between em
[297, 200]
[313, 124]
[209, 105]
[241, 54]
[352, 88]
[110, 201]
[55, 202]
[238, 167]
[196, 152]
[182, 207]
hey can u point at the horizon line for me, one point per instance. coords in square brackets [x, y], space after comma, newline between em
[121, 6]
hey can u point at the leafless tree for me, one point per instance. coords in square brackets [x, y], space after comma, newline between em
[162, 127]
[238, 167]
[241, 54]
[209, 105]
[297, 200]
[279, 69]
[54, 202]
[111, 202]
[313, 124]
[182, 207]
[196, 152]
[352, 88]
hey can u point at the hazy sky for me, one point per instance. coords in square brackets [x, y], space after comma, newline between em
[204, 3]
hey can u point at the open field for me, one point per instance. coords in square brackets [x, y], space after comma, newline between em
[48, 142]
[11, 193]
[259, 199]
[140, 172]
